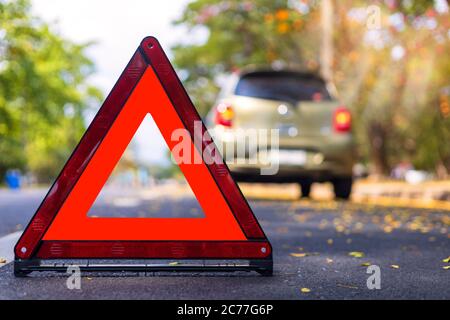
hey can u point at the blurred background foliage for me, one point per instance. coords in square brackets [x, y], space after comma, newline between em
[390, 62]
[389, 59]
[43, 93]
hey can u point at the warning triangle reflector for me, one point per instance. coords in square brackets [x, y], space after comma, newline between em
[61, 227]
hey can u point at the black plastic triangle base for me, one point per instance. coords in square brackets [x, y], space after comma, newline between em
[23, 268]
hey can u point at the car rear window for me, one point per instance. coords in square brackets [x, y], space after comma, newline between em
[286, 86]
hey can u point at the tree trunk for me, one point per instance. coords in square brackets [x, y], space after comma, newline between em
[441, 170]
[326, 52]
[377, 137]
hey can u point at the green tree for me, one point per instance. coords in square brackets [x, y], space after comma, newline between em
[241, 33]
[43, 93]
[393, 85]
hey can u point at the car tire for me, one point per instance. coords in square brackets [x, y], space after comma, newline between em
[305, 187]
[342, 187]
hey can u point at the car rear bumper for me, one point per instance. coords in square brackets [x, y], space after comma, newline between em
[319, 164]
[324, 157]
[289, 173]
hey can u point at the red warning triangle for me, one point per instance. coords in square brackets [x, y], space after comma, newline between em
[61, 228]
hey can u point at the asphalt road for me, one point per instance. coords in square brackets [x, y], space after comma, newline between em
[324, 246]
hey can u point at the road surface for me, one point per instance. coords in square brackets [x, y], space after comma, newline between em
[324, 246]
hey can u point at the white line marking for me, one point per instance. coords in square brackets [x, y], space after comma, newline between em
[7, 244]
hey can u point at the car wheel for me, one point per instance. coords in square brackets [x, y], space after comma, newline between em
[305, 187]
[342, 187]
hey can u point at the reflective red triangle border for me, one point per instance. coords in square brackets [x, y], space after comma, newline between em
[31, 245]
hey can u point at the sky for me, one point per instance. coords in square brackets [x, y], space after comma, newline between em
[117, 27]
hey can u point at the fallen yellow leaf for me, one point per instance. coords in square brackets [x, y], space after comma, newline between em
[446, 267]
[298, 255]
[174, 263]
[2, 260]
[447, 260]
[305, 290]
[388, 229]
[330, 241]
[365, 264]
[356, 254]
[395, 266]
[303, 254]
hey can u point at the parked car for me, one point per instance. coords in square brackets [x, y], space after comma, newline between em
[315, 139]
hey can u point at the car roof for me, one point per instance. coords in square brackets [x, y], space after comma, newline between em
[268, 72]
[261, 70]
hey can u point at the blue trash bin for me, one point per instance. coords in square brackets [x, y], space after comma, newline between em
[13, 179]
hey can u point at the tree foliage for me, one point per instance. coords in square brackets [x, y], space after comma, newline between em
[241, 33]
[43, 93]
[391, 75]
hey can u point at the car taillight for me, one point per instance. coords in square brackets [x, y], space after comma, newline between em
[224, 115]
[342, 120]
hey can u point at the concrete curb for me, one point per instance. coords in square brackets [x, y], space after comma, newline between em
[429, 195]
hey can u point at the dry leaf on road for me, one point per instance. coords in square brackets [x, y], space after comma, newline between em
[356, 254]
[305, 290]
[395, 266]
[303, 254]
[298, 255]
